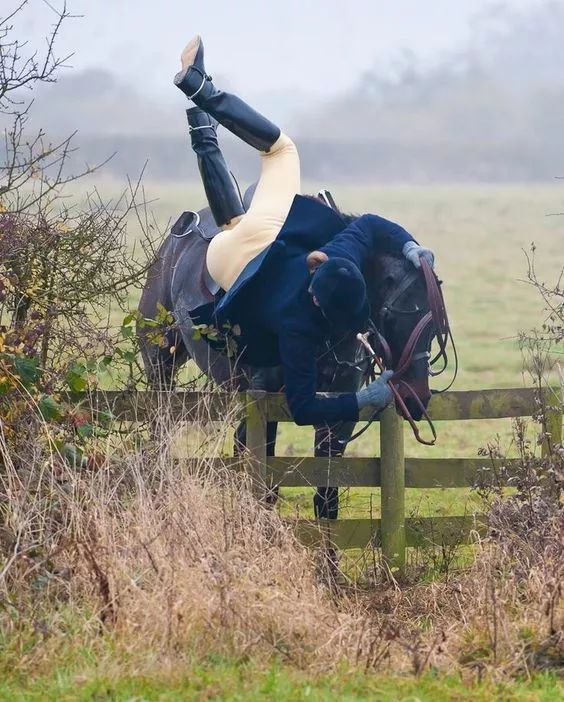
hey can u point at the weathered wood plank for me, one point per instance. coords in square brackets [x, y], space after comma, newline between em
[483, 404]
[454, 472]
[334, 472]
[392, 493]
[140, 406]
[365, 472]
[216, 406]
[358, 533]
[553, 409]
[467, 404]
[342, 533]
[215, 464]
[255, 416]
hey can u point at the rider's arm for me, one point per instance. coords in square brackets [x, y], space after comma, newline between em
[297, 353]
[366, 236]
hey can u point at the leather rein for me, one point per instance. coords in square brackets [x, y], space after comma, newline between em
[436, 321]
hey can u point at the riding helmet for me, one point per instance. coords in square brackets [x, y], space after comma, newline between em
[340, 289]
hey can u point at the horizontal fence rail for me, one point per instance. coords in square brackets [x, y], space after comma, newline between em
[455, 405]
[359, 533]
[392, 472]
[303, 471]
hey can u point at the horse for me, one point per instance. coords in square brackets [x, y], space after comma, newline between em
[178, 280]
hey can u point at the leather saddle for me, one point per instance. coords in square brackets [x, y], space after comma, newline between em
[199, 228]
[202, 225]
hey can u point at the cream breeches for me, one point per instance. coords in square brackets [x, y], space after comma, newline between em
[231, 250]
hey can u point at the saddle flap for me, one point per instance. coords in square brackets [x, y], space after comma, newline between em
[192, 233]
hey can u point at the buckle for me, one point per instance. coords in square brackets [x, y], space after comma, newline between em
[187, 223]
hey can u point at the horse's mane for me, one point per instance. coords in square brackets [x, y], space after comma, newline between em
[347, 217]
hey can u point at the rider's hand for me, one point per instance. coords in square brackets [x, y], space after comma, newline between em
[315, 259]
[378, 393]
[413, 252]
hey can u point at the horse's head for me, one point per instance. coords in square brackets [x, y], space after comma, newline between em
[399, 301]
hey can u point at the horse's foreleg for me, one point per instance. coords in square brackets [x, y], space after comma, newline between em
[330, 443]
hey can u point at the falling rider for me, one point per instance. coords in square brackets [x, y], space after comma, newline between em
[290, 265]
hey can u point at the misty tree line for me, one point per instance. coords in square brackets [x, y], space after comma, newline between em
[491, 110]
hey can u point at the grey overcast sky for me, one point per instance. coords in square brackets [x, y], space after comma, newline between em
[316, 46]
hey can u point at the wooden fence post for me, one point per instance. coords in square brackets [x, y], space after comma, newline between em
[256, 411]
[392, 471]
[553, 405]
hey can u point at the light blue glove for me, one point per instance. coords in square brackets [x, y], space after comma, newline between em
[378, 393]
[413, 252]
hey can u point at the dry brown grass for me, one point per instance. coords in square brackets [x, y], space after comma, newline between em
[170, 559]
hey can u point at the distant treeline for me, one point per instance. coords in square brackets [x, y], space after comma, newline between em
[333, 160]
[492, 110]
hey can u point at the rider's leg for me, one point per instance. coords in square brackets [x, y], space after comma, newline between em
[227, 109]
[230, 251]
[222, 192]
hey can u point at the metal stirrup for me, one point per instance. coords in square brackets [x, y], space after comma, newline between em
[193, 225]
[204, 79]
[204, 126]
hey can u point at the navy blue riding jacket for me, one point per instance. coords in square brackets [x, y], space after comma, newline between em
[269, 303]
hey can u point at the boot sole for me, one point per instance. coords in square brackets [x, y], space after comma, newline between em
[189, 52]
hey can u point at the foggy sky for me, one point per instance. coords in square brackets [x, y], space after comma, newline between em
[296, 47]
[407, 90]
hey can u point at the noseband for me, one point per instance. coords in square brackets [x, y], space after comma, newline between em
[436, 320]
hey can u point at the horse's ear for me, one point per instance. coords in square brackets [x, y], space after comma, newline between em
[326, 197]
[315, 259]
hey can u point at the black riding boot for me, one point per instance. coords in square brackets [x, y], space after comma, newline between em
[227, 109]
[221, 190]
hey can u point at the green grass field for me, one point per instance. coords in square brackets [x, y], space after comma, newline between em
[238, 682]
[480, 234]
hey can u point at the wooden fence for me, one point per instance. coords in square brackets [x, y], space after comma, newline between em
[392, 472]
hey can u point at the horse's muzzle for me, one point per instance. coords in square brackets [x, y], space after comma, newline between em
[420, 388]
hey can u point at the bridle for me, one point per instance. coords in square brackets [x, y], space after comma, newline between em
[434, 321]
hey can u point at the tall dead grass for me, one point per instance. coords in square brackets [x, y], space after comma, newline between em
[172, 558]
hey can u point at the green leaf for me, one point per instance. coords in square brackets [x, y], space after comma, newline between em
[85, 430]
[163, 316]
[50, 408]
[76, 378]
[129, 318]
[27, 370]
[129, 356]
[127, 332]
